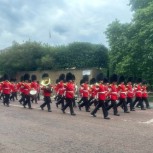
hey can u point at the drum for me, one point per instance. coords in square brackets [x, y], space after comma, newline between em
[33, 92]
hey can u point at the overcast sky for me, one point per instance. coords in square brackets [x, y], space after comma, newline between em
[58, 22]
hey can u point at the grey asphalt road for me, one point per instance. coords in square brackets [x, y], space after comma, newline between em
[36, 131]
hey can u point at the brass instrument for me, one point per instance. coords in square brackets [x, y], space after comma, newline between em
[45, 83]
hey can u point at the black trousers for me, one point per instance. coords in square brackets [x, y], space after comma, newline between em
[122, 102]
[101, 104]
[27, 101]
[145, 99]
[130, 101]
[60, 100]
[69, 103]
[80, 100]
[6, 99]
[85, 103]
[107, 103]
[13, 95]
[139, 100]
[92, 101]
[114, 106]
[22, 98]
[47, 101]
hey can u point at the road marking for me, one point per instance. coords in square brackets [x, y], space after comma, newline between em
[148, 122]
[21, 106]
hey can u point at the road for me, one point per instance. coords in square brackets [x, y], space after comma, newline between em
[36, 131]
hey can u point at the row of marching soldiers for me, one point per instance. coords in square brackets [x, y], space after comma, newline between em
[9, 89]
[29, 89]
[106, 94]
[100, 92]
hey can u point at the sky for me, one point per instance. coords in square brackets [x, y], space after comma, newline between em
[59, 22]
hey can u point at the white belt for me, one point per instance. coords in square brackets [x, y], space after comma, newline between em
[85, 90]
[114, 92]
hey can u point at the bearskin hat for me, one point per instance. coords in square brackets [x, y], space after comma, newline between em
[100, 77]
[69, 76]
[73, 77]
[57, 81]
[105, 80]
[5, 77]
[13, 79]
[45, 75]
[139, 80]
[130, 79]
[26, 76]
[81, 81]
[144, 82]
[61, 77]
[113, 78]
[33, 77]
[121, 79]
[21, 78]
[92, 81]
[86, 78]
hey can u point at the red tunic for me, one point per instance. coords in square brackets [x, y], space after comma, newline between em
[20, 86]
[34, 85]
[46, 93]
[6, 87]
[130, 92]
[138, 91]
[14, 87]
[69, 90]
[26, 88]
[101, 92]
[122, 90]
[113, 92]
[144, 91]
[85, 90]
[60, 88]
[93, 91]
[0, 87]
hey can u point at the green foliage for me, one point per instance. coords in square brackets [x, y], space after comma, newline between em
[32, 56]
[131, 45]
[139, 4]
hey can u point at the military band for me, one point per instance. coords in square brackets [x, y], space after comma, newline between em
[104, 93]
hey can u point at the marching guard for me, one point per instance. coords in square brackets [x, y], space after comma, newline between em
[101, 95]
[47, 90]
[85, 93]
[145, 94]
[93, 92]
[113, 94]
[138, 94]
[60, 90]
[6, 90]
[69, 93]
[26, 91]
[122, 94]
[130, 93]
